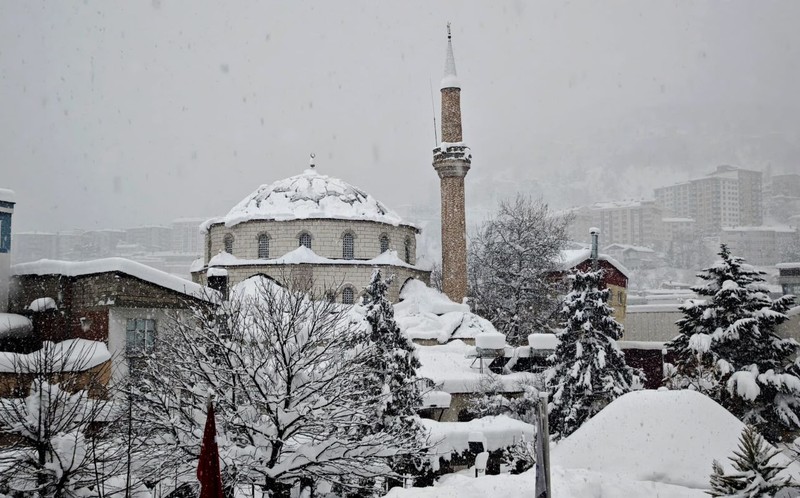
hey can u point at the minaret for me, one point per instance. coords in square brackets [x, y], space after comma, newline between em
[452, 159]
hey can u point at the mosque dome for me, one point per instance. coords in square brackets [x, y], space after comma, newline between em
[309, 195]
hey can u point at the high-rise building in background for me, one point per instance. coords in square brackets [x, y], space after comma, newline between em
[728, 197]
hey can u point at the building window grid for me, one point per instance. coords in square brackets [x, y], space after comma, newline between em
[348, 246]
[140, 336]
[227, 242]
[384, 242]
[304, 240]
[263, 246]
[348, 295]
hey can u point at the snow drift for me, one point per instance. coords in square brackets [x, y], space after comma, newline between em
[665, 436]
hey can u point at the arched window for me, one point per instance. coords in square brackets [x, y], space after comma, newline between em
[227, 241]
[384, 243]
[305, 239]
[408, 250]
[263, 246]
[347, 246]
[348, 296]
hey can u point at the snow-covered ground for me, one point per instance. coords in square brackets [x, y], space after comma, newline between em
[644, 444]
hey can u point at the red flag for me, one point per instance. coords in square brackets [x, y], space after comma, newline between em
[208, 467]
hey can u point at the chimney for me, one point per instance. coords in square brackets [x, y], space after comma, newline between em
[595, 251]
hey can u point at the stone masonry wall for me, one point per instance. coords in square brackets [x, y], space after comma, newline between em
[326, 238]
[454, 243]
[324, 277]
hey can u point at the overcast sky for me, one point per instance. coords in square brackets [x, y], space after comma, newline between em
[118, 114]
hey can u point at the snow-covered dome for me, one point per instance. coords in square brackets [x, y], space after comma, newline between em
[305, 196]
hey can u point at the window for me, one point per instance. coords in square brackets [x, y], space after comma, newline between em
[384, 243]
[140, 336]
[347, 246]
[408, 250]
[263, 246]
[348, 296]
[227, 241]
[305, 239]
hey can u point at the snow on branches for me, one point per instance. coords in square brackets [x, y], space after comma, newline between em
[588, 369]
[512, 259]
[288, 374]
[728, 349]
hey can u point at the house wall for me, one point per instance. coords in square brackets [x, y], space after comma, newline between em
[326, 238]
[324, 277]
[645, 323]
[117, 333]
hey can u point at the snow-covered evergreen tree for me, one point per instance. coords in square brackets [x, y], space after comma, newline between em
[288, 372]
[511, 261]
[727, 347]
[390, 374]
[588, 369]
[756, 476]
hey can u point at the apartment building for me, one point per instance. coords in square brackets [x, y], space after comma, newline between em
[727, 197]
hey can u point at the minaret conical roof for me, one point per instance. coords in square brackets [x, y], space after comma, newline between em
[450, 79]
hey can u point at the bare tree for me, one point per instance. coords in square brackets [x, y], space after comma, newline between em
[288, 372]
[514, 260]
[54, 413]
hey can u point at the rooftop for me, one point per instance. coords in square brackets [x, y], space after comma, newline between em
[309, 195]
[122, 265]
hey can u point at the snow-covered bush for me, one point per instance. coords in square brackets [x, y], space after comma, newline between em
[288, 372]
[728, 349]
[588, 369]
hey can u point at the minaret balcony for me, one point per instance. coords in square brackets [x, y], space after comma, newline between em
[452, 151]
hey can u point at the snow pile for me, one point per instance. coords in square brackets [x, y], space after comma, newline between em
[566, 483]
[490, 340]
[304, 255]
[426, 313]
[436, 399]
[7, 195]
[449, 367]
[106, 265]
[496, 432]
[73, 355]
[307, 196]
[11, 324]
[543, 341]
[43, 304]
[665, 436]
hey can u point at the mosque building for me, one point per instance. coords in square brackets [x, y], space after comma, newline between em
[326, 235]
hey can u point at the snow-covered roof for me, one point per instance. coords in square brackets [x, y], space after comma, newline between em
[628, 247]
[426, 313]
[654, 308]
[448, 366]
[12, 324]
[450, 78]
[677, 220]
[72, 355]
[7, 195]
[498, 432]
[122, 265]
[570, 258]
[787, 266]
[776, 229]
[305, 255]
[308, 196]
